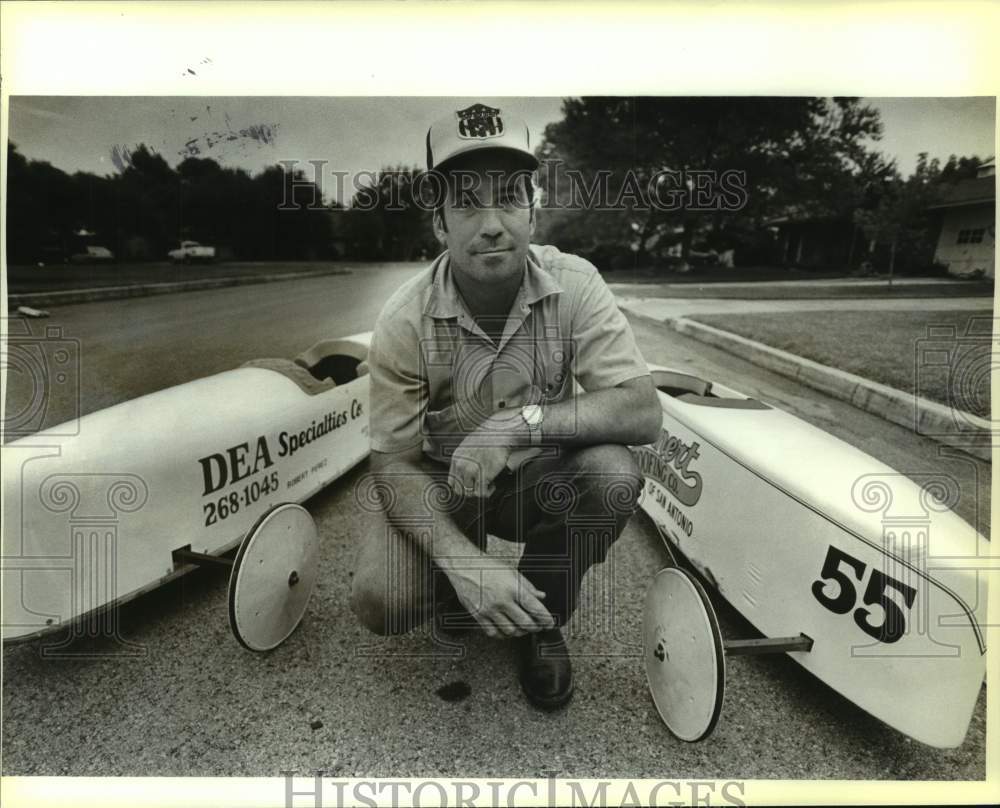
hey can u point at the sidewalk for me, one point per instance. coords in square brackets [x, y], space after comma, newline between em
[661, 309]
[945, 424]
[817, 288]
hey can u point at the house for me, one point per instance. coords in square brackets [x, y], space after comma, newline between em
[967, 240]
[813, 241]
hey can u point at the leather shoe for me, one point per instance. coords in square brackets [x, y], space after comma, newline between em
[545, 673]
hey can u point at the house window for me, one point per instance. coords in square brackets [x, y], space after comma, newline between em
[971, 236]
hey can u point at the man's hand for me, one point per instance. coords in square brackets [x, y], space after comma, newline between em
[483, 454]
[500, 598]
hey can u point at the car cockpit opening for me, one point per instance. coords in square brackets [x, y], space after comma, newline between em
[338, 360]
[690, 389]
[316, 371]
[676, 384]
[339, 368]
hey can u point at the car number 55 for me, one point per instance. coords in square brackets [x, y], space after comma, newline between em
[843, 595]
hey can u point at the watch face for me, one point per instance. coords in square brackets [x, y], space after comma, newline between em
[532, 414]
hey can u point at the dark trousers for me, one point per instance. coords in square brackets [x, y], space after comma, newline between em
[567, 510]
[566, 507]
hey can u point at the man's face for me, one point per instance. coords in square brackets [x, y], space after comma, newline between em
[487, 219]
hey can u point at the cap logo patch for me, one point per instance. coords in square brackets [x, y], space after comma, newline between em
[479, 122]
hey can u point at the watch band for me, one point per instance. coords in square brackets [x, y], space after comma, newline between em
[532, 415]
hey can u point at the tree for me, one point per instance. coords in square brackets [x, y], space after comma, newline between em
[149, 202]
[390, 216]
[148, 207]
[959, 168]
[788, 150]
[900, 229]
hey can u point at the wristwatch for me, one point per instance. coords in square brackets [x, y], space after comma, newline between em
[532, 415]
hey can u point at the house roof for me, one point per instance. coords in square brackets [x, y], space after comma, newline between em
[804, 214]
[791, 219]
[967, 192]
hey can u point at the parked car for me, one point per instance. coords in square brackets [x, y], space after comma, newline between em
[93, 255]
[191, 251]
[51, 254]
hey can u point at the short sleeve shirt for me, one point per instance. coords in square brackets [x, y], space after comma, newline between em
[436, 375]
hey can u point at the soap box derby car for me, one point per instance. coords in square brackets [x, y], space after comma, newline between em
[860, 574]
[863, 576]
[148, 489]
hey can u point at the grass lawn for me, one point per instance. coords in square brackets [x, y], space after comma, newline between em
[941, 355]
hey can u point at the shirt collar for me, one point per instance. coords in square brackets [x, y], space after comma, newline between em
[445, 300]
[538, 283]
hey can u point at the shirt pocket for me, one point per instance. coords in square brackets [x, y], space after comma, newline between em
[553, 368]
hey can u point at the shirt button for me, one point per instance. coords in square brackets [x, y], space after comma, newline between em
[503, 404]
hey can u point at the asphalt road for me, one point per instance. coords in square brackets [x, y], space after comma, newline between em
[193, 702]
[127, 348]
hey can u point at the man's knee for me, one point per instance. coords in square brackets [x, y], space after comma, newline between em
[608, 472]
[390, 607]
[369, 605]
[383, 610]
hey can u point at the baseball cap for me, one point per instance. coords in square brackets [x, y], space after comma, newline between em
[477, 127]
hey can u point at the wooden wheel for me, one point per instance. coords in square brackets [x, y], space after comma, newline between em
[273, 577]
[684, 656]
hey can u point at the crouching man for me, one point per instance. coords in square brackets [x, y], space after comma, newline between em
[476, 427]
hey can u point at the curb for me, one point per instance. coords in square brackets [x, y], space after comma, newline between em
[963, 430]
[65, 296]
[797, 290]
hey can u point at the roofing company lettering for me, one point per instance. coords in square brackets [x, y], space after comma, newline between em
[667, 461]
